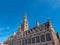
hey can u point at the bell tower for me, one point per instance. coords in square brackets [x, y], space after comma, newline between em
[24, 25]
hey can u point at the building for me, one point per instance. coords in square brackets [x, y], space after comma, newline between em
[39, 35]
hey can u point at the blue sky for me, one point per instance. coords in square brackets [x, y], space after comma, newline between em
[12, 13]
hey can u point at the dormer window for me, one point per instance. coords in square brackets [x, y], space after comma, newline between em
[28, 31]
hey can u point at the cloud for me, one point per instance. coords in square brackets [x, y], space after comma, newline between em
[51, 3]
[57, 4]
[4, 28]
[54, 3]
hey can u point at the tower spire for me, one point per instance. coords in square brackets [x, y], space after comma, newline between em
[25, 17]
[49, 23]
[24, 25]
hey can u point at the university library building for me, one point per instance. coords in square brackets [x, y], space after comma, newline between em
[39, 35]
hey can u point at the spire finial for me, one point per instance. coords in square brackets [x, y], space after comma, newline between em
[49, 23]
[37, 23]
[25, 17]
[14, 33]
[48, 19]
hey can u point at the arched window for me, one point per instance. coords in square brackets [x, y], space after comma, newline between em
[22, 42]
[25, 41]
[37, 39]
[33, 39]
[42, 38]
[29, 41]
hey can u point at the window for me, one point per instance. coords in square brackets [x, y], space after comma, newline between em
[46, 43]
[26, 32]
[33, 40]
[42, 38]
[37, 39]
[29, 41]
[48, 37]
[19, 42]
[25, 41]
[22, 42]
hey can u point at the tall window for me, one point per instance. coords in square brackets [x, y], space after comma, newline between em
[26, 32]
[19, 42]
[42, 38]
[48, 37]
[33, 39]
[22, 42]
[37, 39]
[29, 41]
[25, 41]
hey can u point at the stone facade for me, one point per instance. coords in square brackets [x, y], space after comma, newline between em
[39, 35]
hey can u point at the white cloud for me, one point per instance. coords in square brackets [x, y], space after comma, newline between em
[51, 3]
[4, 28]
[56, 4]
